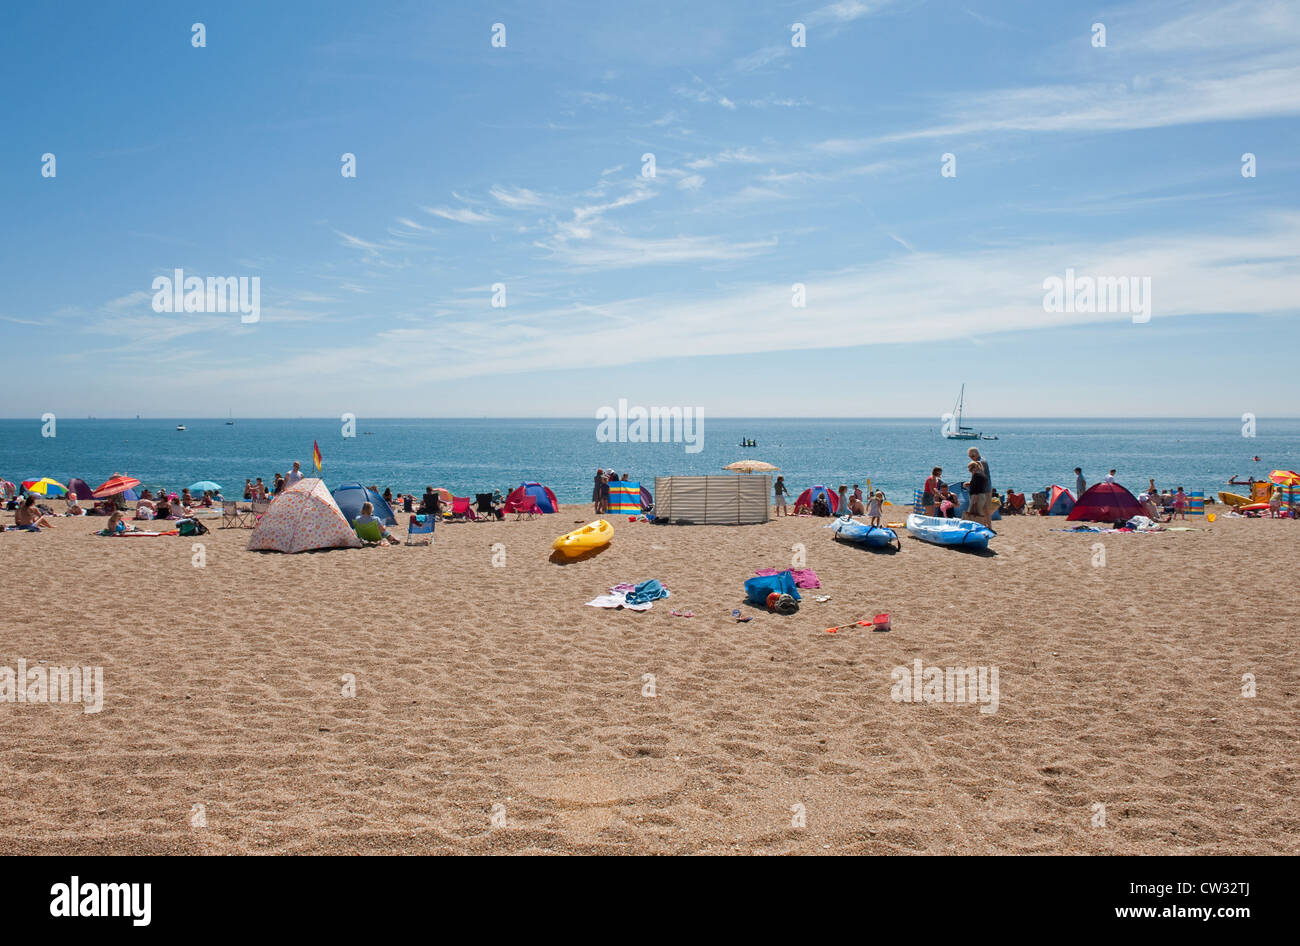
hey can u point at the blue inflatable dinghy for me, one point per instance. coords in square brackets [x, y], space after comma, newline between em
[850, 530]
[942, 531]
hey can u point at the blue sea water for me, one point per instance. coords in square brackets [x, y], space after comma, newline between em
[468, 456]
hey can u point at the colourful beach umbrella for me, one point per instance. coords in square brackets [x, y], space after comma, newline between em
[117, 483]
[205, 486]
[45, 486]
[1285, 477]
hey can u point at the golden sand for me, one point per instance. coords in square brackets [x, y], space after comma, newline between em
[492, 694]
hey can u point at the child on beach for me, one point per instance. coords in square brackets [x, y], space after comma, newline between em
[1180, 504]
[930, 492]
[843, 508]
[875, 507]
[780, 492]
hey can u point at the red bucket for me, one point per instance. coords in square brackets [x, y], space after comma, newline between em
[881, 622]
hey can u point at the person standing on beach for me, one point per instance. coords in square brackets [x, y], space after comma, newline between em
[779, 493]
[596, 490]
[981, 500]
[294, 475]
[604, 490]
[1110, 477]
[843, 509]
[1079, 483]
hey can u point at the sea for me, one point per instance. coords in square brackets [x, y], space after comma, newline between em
[467, 456]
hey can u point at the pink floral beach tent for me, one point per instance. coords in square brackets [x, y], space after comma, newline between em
[302, 518]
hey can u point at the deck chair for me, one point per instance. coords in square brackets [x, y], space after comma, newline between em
[527, 508]
[483, 507]
[420, 531]
[1015, 503]
[259, 509]
[368, 532]
[232, 517]
[1039, 502]
[460, 511]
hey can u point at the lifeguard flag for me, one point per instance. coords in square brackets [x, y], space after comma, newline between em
[315, 455]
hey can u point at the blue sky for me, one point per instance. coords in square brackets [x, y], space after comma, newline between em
[774, 165]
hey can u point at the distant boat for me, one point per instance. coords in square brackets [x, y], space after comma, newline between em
[180, 426]
[231, 421]
[960, 432]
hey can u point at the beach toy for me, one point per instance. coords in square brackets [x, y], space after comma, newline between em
[840, 627]
[593, 535]
[881, 622]
[848, 529]
[939, 531]
[1233, 499]
[1210, 517]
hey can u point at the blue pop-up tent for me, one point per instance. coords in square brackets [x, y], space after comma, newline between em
[350, 496]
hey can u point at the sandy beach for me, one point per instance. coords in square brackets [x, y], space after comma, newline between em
[493, 694]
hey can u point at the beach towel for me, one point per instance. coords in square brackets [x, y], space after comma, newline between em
[803, 577]
[757, 589]
[617, 600]
[647, 591]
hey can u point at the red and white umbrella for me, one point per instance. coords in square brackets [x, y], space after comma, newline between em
[117, 483]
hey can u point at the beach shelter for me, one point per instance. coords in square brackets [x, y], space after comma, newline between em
[350, 496]
[546, 501]
[809, 496]
[1105, 502]
[1196, 502]
[627, 499]
[80, 488]
[301, 518]
[1061, 501]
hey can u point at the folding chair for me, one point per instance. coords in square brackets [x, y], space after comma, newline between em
[259, 509]
[420, 531]
[527, 508]
[460, 511]
[232, 517]
[483, 506]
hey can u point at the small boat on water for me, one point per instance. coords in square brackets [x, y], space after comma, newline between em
[848, 529]
[940, 531]
[959, 431]
[180, 426]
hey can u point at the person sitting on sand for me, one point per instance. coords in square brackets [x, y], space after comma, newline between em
[29, 518]
[74, 507]
[431, 504]
[145, 509]
[855, 502]
[367, 517]
[947, 503]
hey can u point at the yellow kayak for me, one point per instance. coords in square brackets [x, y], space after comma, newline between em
[1235, 499]
[593, 535]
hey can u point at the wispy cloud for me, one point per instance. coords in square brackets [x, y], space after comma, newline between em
[460, 214]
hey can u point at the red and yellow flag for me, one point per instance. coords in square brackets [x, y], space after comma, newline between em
[315, 455]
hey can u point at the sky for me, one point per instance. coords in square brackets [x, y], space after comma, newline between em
[920, 168]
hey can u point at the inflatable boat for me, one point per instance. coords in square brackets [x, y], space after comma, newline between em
[848, 529]
[941, 531]
[593, 535]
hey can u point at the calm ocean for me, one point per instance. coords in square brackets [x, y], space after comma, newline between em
[468, 456]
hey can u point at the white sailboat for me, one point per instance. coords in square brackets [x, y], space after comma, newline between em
[959, 431]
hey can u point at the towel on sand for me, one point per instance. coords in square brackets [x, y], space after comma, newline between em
[803, 577]
[633, 597]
